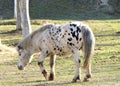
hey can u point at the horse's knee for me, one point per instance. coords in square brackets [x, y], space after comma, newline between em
[44, 72]
[40, 63]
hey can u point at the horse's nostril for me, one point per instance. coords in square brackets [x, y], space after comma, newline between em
[20, 67]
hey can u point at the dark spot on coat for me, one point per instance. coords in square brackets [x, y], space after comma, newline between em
[79, 61]
[78, 29]
[71, 44]
[73, 34]
[60, 50]
[39, 48]
[59, 30]
[52, 38]
[49, 32]
[80, 39]
[69, 39]
[47, 52]
[60, 34]
[54, 48]
[71, 29]
[76, 36]
[74, 25]
[67, 42]
[57, 46]
[68, 33]
[72, 51]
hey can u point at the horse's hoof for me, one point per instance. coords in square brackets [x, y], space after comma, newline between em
[87, 78]
[73, 81]
[51, 77]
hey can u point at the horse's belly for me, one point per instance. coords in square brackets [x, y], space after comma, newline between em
[62, 48]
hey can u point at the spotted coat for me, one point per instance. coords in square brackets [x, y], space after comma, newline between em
[61, 40]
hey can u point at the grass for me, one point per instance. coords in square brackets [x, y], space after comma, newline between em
[105, 63]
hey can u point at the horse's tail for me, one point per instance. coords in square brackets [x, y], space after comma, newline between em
[88, 45]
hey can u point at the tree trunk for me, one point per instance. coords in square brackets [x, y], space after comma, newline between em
[0, 41]
[15, 8]
[18, 18]
[25, 20]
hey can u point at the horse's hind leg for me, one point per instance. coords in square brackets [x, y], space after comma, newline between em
[52, 65]
[88, 74]
[77, 62]
[40, 63]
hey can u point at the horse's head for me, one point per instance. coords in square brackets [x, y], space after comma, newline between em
[24, 56]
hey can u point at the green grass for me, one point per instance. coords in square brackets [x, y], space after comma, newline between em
[105, 63]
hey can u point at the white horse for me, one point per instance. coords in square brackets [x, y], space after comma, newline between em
[52, 40]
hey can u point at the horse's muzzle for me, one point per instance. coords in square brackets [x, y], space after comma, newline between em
[20, 67]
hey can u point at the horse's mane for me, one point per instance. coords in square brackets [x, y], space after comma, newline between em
[41, 29]
[27, 40]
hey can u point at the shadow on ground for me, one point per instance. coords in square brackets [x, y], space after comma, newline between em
[54, 84]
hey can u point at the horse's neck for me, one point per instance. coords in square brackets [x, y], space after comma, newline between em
[36, 39]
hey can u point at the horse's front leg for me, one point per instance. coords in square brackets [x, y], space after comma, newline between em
[77, 62]
[40, 63]
[52, 67]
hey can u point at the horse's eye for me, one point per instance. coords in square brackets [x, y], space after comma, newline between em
[19, 47]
